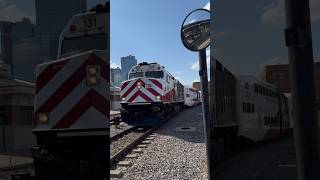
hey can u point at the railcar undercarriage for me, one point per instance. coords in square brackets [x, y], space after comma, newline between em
[148, 114]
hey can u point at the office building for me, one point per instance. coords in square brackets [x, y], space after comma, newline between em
[126, 64]
[11, 35]
[6, 43]
[26, 56]
[52, 17]
[116, 77]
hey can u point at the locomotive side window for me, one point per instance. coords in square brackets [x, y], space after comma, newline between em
[135, 75]
[81, 44]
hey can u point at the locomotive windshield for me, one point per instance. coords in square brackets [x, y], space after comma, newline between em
[154, 74]
[81, 44]
[135, 75]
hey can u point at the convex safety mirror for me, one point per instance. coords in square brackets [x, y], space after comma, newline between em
[195, 30]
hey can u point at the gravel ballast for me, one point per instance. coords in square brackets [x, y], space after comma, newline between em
[122, 142]
[177, 152]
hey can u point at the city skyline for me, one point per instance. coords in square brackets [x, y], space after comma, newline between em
[15, 10]
[28, 44]
[244, 44]
[153, 35]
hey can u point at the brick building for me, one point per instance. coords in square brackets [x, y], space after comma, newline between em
[196, 85]
[279, 76]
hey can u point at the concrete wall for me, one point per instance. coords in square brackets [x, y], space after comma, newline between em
[115, 105]
[16, 138]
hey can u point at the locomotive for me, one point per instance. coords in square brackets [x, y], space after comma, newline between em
[149, 95]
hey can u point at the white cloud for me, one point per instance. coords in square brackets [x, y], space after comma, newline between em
[207, 6]
[195, 65]
[276, 60]
[10, 12]
[113, 65]
[193, 20]
[274, 13]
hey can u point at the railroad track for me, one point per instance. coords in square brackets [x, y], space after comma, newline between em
[115, 157]
[122, 133]
[21, 170]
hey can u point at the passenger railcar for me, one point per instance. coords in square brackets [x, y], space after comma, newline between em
[261, 110]
[150, 94]
[244, 109]
[191, 97]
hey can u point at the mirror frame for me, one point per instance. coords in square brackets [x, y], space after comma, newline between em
[181, 36]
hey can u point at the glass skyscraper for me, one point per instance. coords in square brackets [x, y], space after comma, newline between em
[51, 18]
[126, 64]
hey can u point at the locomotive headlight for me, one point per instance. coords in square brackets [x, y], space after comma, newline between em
[92, 75]
[158, 97]
[92, 70]
[92, 80]
[139, 85]
[123, 98]
[43, 118]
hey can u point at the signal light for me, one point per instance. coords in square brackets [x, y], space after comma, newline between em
[123, 98]
[158, 97]
[73, 28]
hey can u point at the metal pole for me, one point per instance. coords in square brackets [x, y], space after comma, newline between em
[306, 126]
[205, 107]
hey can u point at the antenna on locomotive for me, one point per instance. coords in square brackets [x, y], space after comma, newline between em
[195, 36]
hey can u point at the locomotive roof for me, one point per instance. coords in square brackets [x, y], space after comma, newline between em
[252, 79]
[162, 68]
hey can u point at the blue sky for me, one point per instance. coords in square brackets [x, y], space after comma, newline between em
[247, 34]
[150, 30]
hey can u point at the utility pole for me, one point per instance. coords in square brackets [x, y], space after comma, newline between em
[306, 126]
[205, 107]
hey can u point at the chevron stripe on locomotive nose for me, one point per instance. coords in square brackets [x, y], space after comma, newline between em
[65, 95]
[131, 93]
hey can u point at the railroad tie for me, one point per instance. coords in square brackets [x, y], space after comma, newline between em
[116, 173]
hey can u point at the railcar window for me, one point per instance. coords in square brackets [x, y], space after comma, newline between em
[135, 75]
[246, 85]
[252, 108]
[154, 74]
[248, 107]
[255, 88]
[259, 89]
[243, 107]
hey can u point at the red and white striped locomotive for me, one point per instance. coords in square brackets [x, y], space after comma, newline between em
[150, 94]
